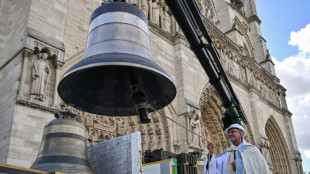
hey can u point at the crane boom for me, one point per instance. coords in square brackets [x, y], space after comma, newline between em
[186, 13]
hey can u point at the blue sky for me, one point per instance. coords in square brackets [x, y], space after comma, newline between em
[286, 28]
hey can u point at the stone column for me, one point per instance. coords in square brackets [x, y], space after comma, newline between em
[150, 10]
[58, 65]
[291, 143]
[139, 4]
[26, 55]
[173, 23]
[186, 117]
[161, 13]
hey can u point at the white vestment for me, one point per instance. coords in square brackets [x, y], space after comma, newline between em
[249, 160]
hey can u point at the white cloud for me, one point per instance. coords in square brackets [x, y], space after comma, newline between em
[307, 153]
[294, 73]
[301, 39]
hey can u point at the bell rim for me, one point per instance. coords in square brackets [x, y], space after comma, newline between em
[125, 64]
[158, 71]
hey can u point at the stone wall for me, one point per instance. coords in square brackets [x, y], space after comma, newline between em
[15, 30]
[26, 136]
[9, 78]
[49, 17]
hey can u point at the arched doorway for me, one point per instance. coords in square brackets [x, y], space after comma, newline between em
[211, 123]
[279, 153]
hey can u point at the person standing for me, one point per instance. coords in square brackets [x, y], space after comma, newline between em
[240, 158]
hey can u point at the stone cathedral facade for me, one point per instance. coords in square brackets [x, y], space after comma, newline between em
[40, 40]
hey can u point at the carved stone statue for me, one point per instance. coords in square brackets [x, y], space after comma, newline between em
[158, 129]
[242, 74]
[160, 142]
[166, 20]
[143, 134]
[235, 67]
[150, 130]
[152, 143]
[94, 137]
[202, 7]
[40, 74]
[155, 117]
[89, 120]
[265, 150]
[145, 7]
[156, 12]
[132, 124]
[209, 14]
[194, 123]
[252, 79]
[121, 126]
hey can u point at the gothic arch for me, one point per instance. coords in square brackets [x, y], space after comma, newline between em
[243, 29]
[211, 123]
[210, 5]
[279, 153]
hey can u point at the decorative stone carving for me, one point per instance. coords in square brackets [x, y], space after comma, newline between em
[235, 70]
[209, 15]
[93, 136]
[298, 161]
[89, 120]
[242, 74]
[38, 82]
[132, 124]
[156, 11]
[40, 76]
[252, 79]
[279, 152]
[167, 20]
[158, 129]
[265, 150]
[155, 117]
[145, 7]
[202, 7]
[283, 102]
[152, 143]
[195, 126]
[121, 126]
[160, 141]
[155, 135]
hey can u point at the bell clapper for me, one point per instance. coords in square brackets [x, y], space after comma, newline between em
[140, 101]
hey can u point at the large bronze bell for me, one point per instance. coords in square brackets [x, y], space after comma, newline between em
[63, 146]
[117, 75]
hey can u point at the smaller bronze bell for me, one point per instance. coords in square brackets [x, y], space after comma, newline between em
[63, 146]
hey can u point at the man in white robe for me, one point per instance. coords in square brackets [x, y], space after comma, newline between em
[240, 158]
